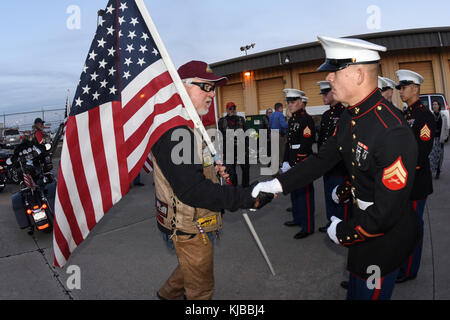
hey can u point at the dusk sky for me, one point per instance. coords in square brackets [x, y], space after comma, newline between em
[42, 56]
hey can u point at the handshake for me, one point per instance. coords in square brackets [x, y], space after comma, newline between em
[264, 192]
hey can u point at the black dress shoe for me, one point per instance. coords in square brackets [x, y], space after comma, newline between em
[289, 209]
[324, 228]
[344, 284]
[291, 224]
[404, 279]
[302, 235]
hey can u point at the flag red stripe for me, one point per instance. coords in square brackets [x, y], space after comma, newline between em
[136, 138]
[98, 150]
[73, 144]
[172, 123]
[62, 243]
[145, 94]
[66, 205]
[120, 146]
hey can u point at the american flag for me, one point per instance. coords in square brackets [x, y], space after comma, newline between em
[148, 164]
[29, 182]
[124, 102]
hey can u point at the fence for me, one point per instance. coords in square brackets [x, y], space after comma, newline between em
[25, 120]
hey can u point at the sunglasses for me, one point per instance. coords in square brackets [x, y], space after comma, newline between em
[205, 86]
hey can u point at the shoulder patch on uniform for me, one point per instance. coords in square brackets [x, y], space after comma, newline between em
[395, 176]
[425, 133]
[307, 132]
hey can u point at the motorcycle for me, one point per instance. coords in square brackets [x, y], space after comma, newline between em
[33, 204]
[3, 170]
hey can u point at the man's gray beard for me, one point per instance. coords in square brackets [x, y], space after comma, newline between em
[203, 113]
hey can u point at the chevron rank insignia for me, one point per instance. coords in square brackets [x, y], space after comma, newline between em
[307, 132]
[395, 176]
[425, 133]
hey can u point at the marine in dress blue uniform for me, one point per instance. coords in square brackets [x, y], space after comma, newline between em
[337, 175]
[387, 87]
[422, 124]
[300, 137]
[379, 152]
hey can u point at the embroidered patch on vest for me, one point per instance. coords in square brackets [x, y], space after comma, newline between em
[425, 133]
[207, 221]
[307, 132]
[161, 210]
[395, 176]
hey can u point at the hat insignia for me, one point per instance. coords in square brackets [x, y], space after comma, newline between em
[208, 69]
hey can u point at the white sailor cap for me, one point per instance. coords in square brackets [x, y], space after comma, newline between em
[342, 52]
[293, 94]
[388, 84]
[305, 99]
[325, 86]
[407, 77]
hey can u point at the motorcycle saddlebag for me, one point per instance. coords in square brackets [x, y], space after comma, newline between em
[50, 191]
[19, 211]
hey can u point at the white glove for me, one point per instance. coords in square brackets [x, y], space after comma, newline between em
[285, 167]
[332, 229]
[271, 186]
[334, 195]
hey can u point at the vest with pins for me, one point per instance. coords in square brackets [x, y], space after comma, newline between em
[172, 213]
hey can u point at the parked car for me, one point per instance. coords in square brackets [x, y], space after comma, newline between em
[10, 137]
[428, 99]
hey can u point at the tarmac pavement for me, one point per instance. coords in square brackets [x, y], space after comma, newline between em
[124, 257]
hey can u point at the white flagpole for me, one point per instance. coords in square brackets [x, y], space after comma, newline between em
[258, 242]
[192, 112]
[67, 105]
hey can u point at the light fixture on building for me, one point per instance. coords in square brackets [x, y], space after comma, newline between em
[247, 74]
[247, 47]
[287, 59]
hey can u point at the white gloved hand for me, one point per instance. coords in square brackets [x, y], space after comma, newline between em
[285, 167]
[334, 195]
[332, 229]
[271, 186]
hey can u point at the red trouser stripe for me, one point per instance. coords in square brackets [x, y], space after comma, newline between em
[408, 270]
[377, 291]
[308, 209]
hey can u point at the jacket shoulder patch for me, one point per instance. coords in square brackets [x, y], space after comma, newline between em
[425, 133]
[395, 176]
[307, 132]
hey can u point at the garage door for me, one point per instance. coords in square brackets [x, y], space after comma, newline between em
[232, 93]
[270, 91]
[425, 68]
[308, 84]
